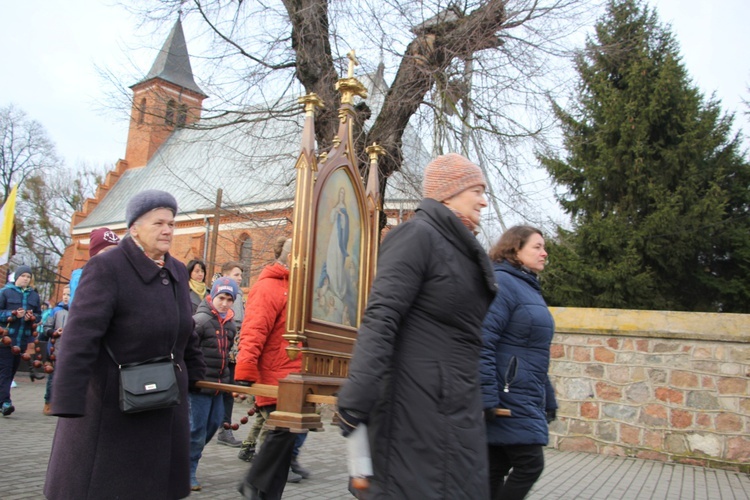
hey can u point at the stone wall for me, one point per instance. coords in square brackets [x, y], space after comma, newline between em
[658, 385]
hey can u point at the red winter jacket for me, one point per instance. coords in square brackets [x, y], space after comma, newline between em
[262, 356]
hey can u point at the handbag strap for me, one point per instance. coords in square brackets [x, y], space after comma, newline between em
[111, 355]
[171, 351]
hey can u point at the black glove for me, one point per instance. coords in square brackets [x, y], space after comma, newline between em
[349, 420]
[489, 414]
[192, 388]
[551, 415]
[244, 383]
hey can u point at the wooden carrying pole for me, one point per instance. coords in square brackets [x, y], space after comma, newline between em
[271, 391]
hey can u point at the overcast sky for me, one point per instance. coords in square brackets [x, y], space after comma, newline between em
[51, 51]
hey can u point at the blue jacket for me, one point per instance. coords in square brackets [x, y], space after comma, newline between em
[12, 298]
[75, 277]
[517, 334]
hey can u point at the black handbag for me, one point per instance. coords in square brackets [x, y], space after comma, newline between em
[151, 384]
[148, 385]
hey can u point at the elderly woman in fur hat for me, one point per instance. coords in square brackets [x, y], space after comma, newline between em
[133, 300]
[413, 377]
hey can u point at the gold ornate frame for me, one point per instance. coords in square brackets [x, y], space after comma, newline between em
[324, 346]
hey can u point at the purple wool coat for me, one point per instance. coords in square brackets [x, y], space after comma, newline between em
[99, 452]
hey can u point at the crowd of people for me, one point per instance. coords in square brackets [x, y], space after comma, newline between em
[450, 335]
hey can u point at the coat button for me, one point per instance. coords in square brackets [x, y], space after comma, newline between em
[165, 281]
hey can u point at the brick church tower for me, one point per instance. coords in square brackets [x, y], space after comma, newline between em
[167, 98]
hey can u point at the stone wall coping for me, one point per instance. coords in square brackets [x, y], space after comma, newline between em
[722, 327]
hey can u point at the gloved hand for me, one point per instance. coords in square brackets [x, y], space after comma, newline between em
[192, 388]
[489, 414]
[244, 383]
[551, 415]
[349, 420]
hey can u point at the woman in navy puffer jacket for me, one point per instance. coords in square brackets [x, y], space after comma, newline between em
[517, 334]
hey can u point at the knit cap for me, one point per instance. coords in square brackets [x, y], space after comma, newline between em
[148, 200]
[100, 239]
[450, 174]
[23, 268]
[225, 285]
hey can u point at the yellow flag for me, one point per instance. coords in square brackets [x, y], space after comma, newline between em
[6, 225]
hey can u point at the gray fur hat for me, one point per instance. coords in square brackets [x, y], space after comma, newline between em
[148, 200]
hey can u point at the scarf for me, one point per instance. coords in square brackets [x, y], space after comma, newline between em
[198, 287]
[465, 221]
[158, 262]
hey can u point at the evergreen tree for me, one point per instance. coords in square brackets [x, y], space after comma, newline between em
[653, 178]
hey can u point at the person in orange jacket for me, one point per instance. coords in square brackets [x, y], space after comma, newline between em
[262, 355]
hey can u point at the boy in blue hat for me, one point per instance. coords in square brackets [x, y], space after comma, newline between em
[215, 329]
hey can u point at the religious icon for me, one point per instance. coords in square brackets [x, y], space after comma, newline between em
[337, 253]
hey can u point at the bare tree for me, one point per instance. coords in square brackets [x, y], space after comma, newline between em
[48, 193]
[473, 76]
[25, 149]
[43, 217]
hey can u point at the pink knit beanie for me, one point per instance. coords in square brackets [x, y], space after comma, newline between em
[450, 174]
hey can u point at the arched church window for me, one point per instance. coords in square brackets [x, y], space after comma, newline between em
[142, 111]
[182, 115]
[169, 116]
[246, 258]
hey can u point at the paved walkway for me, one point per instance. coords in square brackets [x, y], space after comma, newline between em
[26, 436]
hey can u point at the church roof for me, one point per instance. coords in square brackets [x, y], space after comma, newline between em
[173, 62]
[252, 161]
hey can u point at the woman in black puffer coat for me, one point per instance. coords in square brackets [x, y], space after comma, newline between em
[413, 376]
[517, 334]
